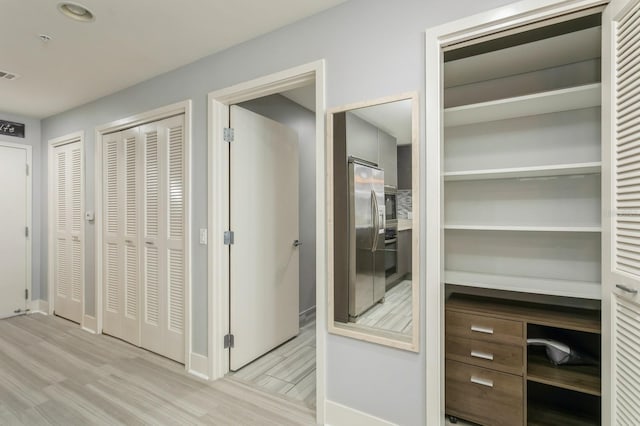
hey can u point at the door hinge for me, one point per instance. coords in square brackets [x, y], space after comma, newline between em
[26, 294]
[228, 341]
[26, 231]
[228, 238]
[27, 170]
[228, 134]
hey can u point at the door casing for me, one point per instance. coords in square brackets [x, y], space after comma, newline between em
[218, 255]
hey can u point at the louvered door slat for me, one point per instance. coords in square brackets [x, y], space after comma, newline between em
[627, 361]
[152, 184]
[61, 190]
[176, 183]
[152, 286]
[62, 268]
[111, 177]
[176, 291]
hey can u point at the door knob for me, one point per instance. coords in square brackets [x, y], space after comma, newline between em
[297, 243]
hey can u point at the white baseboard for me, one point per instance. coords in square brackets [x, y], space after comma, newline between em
[90, 324]
[341, 415]
[39, 307]
[199, 366]
[305, 315]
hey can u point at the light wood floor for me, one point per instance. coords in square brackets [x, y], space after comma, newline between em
[53, 373]
[394, 314]
[288, 370]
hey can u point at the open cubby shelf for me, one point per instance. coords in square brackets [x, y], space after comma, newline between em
[580, 378]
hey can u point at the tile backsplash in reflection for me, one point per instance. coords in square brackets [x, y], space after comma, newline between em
[404, 203]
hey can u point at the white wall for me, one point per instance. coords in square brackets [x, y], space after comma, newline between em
[372, 48]
[303, 121]
[32, 137]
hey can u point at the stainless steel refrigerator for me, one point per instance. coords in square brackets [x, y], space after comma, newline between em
[366, 236]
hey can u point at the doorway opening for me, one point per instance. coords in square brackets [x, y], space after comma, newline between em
[277, 181]
[272, 261]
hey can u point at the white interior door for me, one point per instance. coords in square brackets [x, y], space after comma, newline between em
[163, 238]
[120, 235]
[621, 218]
[68, 253]
[264, 261]
[144, 236]
[13, 222]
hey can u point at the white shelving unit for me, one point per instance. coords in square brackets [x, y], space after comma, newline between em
[521, 106]
[521, 182]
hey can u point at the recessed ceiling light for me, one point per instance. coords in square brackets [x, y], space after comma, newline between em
[76, 12]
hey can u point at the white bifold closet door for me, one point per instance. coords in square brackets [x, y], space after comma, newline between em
[621, 219]
[144, 236]
[68, 252]
[120, 238]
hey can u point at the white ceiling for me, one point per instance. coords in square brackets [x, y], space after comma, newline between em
[392, 117]
[130, 41]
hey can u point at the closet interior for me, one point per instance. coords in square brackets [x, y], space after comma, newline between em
[522, 205]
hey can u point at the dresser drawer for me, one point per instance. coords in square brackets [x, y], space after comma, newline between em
[484, 396]
[497, 356]
[480, 327]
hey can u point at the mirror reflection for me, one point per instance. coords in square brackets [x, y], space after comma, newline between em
[373, 218]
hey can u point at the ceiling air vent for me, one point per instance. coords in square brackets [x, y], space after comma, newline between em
[6, 75]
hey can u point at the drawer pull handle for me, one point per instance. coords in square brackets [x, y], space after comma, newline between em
[482, 355]
[483, 382]
[479, 329]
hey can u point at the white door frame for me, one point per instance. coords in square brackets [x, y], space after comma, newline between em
[218, 166]
[53, 144]
[28, 151]
[158, 114]
[500, 19]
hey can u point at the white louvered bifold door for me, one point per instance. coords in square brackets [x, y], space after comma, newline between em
[163, 266]
[68, 262]
[621, 218]
[121, 268]
[112, 236]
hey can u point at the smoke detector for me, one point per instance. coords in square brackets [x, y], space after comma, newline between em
[76, 11]
[6, 75]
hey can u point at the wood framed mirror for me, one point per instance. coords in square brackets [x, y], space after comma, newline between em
[373, 227]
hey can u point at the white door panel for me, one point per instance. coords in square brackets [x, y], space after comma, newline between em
[144, 236]
[13, 221]
[621, 218]
[68, 255]
[264, 262]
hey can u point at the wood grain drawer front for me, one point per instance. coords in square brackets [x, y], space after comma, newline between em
[483, 396]
[497, 356]
[480, 327]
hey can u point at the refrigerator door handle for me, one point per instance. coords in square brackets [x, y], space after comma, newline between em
[376, 222]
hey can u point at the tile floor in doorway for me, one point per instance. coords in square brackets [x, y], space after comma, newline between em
[288, 370]
[394, 314]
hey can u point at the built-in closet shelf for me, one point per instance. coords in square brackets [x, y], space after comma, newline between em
[578, 97]
[525, 172]
[580, 378]
[525, 228]
[552, 287]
